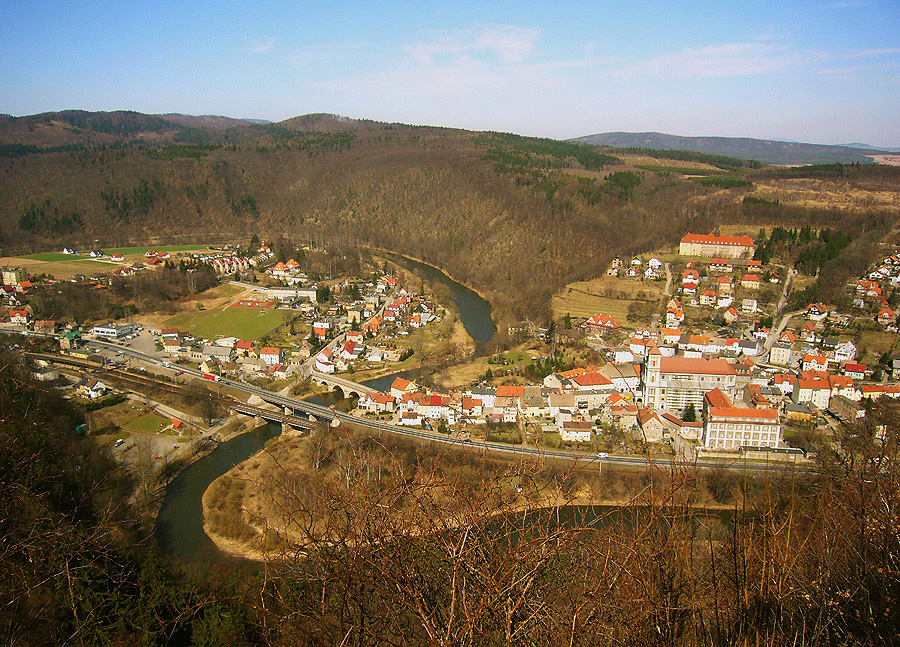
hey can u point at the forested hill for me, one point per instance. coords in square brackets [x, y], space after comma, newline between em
[762, 150]
[514, 217]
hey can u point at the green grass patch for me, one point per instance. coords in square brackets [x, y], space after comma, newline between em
[246, 323]
[125, 251]
[148, 423]
[55, 257]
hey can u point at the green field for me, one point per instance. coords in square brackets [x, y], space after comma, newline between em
[125, 251]
[245, 323]
[54, 257]
[148, 423]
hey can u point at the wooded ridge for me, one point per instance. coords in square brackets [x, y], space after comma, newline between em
[516, 217]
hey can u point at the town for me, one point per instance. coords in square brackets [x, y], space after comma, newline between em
[722, 369]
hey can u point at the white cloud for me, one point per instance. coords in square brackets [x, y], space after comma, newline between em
[262, 48]
[510, 44]
[869, 53]
[732, 59]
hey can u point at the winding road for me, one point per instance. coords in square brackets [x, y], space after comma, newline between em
[328, 414]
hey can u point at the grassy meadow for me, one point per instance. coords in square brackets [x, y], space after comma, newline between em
[246, 323]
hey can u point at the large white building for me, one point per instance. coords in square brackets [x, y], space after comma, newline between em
[113, 331]
[728, 427]
[673, 383]
[717, 246]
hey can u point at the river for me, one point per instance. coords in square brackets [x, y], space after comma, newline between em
[474, 312]
[179, 525]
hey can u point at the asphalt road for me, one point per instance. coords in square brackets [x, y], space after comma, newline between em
[329, 414]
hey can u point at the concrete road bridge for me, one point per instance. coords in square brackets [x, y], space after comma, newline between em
[335, 383]
[290, 419]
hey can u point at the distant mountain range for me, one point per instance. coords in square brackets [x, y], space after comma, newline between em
[762, 150]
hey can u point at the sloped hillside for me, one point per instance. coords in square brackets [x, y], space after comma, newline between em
[515, 217]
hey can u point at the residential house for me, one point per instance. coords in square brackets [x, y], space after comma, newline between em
[601, 323]
[780, 354]
[810, 334]
[842, 385]
[321, 329]
[690, 276]
[172, 346]
[749, 306]
[708, 298]
[886, 316]
[471, 410]
[785, 383]
[486, 395]
[324, 361]
[720, 265]
[94, 388]
[798, 413]
[400, 386]
[350, 351]
[575, 431]
[650, 425]
[856, 371]
[625, 377]
[875, 391]
[19, 317]
[815, 392]
[674, 316]
[561, 403]
[724, 287]
[845, 352]
[244, 348]
[750, 281]
[816, 311]
[814, 363]
[376, 402]
[687, 430]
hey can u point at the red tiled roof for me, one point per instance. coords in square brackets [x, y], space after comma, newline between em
[734, 412]
[717, 398]
[587, 379]
[400, 384]
[696, 366]
[744, 241]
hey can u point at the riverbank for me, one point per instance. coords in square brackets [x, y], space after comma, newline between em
[252, 513]
[478, 306]
[446, 273]
[179, 520]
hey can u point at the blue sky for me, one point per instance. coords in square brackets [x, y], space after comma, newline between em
[823, 72]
